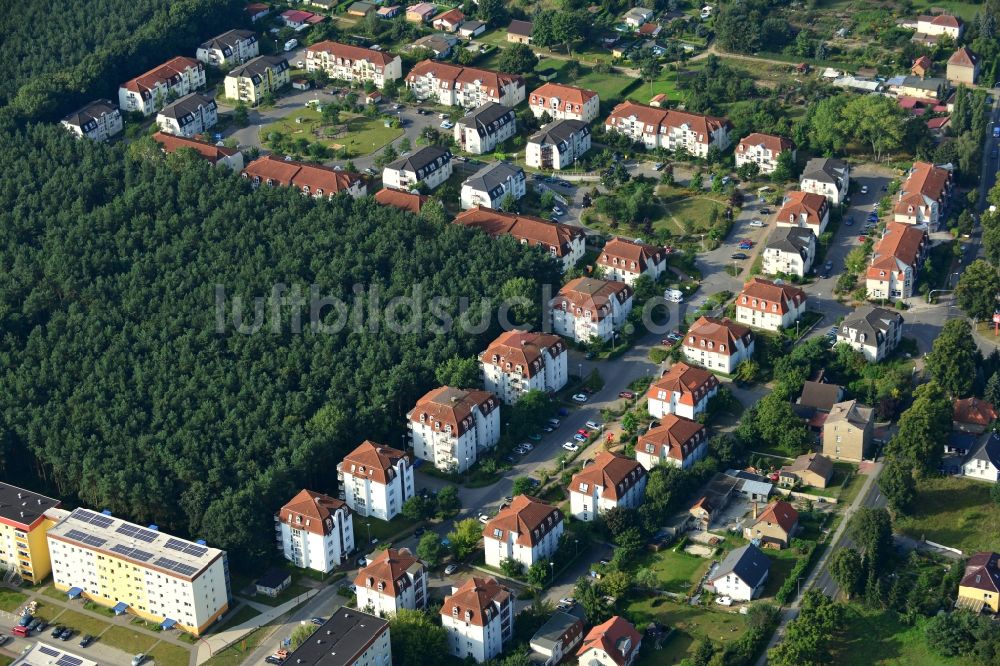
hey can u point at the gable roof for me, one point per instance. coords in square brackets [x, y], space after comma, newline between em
[692, 383]
[925, 182]
[790, 239]
[623, 249]
[229, 39]
[816, 463]
[352, 53]
[616, 637]
[974, 411]
[388, 570]
[776, 144]
[163, 74]
[256, 69]
[872, 322]
[767, 293]
[452, 16]
[522, 348]
[488, 118]
[560, 629]
[315, 509]
[527, 519]
[554, 236]
[655, 118]
[90, 112]
[521, 28]
[820, 395]
[717, 332]
[449, 75]
[748, 563]
[420, 159]
[373, 461]
[613, 472]
[477, 597]
[453, 406]
[209, 151]
[590, 294]
[923, 62]
[187, 106]
[676, 437]
[559, 132]
[565, 94]
[780, 513]
[825, 169]
[982, 572]
[900, 247]
[401, 199]
[319, 179]
[988, 450]
[944, 20]
[963, 57]
[493, 177]
[813, 207]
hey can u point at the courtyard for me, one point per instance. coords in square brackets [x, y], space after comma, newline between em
[354, 134]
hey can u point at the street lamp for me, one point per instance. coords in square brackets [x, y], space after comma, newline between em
[369, 525]
[576, 542]
[552, 568]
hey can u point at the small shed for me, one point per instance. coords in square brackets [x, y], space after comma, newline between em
[274, 582]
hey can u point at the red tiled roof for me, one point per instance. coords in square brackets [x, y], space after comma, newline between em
[946, 20]
[974, 411]
[982, 572]
[319, 179]
[718, 332]
[492, 82]
[352, 53]
[451, 17]
[568, 96]
[780, 513]
[400, 199]
[525, 228]
[453, 406]
[963, 57]
[593, 295]
[373, 461]
[629, 251]
[478, 597]
[900, 245]
[527, 518]
[654, 118]
[923, 62]
[169, 70]
[616, 637]
[649, 29]
[759, 294]
[813, 206]
[613, 472]
[296, 15]
[521, 348]
[776, 144]
[209, 151]
[388, 569]
[676, 437]
[924, 180]
[315, 509]
[692, 383]
[938, 123]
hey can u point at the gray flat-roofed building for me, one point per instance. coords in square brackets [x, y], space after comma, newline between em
[349, 637]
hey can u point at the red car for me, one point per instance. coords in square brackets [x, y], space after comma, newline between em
[583, 432]
[862, 239]
[628, 395]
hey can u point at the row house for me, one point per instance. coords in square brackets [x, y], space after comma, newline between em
[392, 581]
[896, 260]
[789, 251]
[99, 121]
[827, 176]
[310, 179]
[492, 185]
[626, 260]
[769, 305]
[482, 130]
[923, 197]
[763, 150]
[558, 145]
[401, 199]
[526, 531]
[478, 617]
[873, 331]
[344, 62]
[223, 156]
[257, 79]
[611, 480]
[677, 441]
[149, 92]
[683, 390]
[233, 47]
[189, 116]
[469, 87]
[522, 361]
[587, 309]
[667, 128]
[315, 531]
[804, 209]
[563, 242]
[375, 480]
[615, 642]
[431, 165]
[451, 427]
[562, 102]
[718, 344]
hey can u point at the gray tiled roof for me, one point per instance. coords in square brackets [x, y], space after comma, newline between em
[255, 69]
[187, 106]
[790, 239]
[228, 40]
[748, 563]
[90, 112]
[870, 321]
[422, 159]
[489, 118]
[559, 132]
[825, 169]
[988, 450]
[493, 177]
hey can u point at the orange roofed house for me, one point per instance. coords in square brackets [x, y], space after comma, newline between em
[375, 480]
[520, 361]
[612, 480]
[479, 619]
[973, 415]
[666, 128]
[353, 63]
[922, 66]
[394, 579]
[763, 150]
[526, 531]
[895, 262]
[401, 199]
[775, 526]
[453, 85]
[930, 28]
[769, 305]
[718, 344]
[562, 241]
[625, 260]
[564, 102]
[613, 643]
[217, 155]
[149, 92]
[450, 427]
[963, 66]
[310, 179]
[449, 21]
[923, 197]
[683, 390]
[315, 531]
[805, 209]
[676, 441]
[588, 309]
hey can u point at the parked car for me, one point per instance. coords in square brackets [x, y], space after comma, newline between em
[56, 631]
[510, 460]
[570, 446]
[318, 621]
[580, 438]
[580, 397]
[42, 625]
[527, 446]
[765, 211]
[535, 437]
[756, 223]
[862, 239]
[4, 638]
[66, 634]
[746, 246]
[34, 624]
[362, 561]
[628, 395]
[828, 265]
[554, 422]
[484, 518]
[724, 601]
[450, 569]
[593, 425]
[419, 532]
[547, 429]
[849, 222]
[738, 255]
[557, 210]
[582, 431]
[447, 124]
[864, 189]
[138, 659]
[271, 659]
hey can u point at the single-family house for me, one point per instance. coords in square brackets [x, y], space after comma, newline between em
[255, 11]
[470, 29]
[361, 9]
[941, 24]
[612, 643]
[519, 32]
[637, 16]
[973, 415]
[389, 12]
[742, 573]
[984, 462]
[449, 21]
[980, 584]
[774, 527]
[421, 12]
[809, 469]
[922, 66]
[556, 639]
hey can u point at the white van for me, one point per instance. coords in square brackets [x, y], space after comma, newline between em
[291, 44]
[674, 295]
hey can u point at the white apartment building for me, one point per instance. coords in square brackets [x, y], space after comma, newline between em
[311, 180]
[763, 150]
[482, 130]
[450, 427]
[558, 145]
[683, 390]
[189, 116]
[431, 165]
[315, 531]
[395, 579]
[467, 87]
[217, 155]
[99, 121]
[519, 361]
[257, 79]
[479, 619]
[343, 62]
[348, 638]
[808, 210]
[564, 102]
[556, 639]
[828, 177]
[149, 92]
[610, 481]
[718, 344]
[375, 480]
[923, 197]
[526, 531]
[789, 251]
[768, 305]
[873, 331]
[586, 309]
[563, 242]
[896, 260]
[655, 127]
[142, 571]
[233, 47]
[492, 185]
[624, 260]
[676, 441]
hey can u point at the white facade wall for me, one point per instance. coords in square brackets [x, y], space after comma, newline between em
[714, 360]
[370, 498]
[668, 402]
[406, 180]
[482, 643]
[581, 329]
[498, 550]
[465, 94]
[204, 119]
[315, 551]
[385, 604]
[733, 586]
[447, 452]
[770, 321]
[675, 138]
[981, 469]
[106, 126]
[588, 112]
[791, 263]
[551, 157]
[510, 386]
[472, 197]
[243, 50]
[828, 190]
[357, 70]
[630, 273]
[578, 247]
[190, 80]
[467, 137]
[588, 505]
[651, 460]
[763, 157]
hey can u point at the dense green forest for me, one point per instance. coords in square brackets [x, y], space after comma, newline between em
[116, 388]
[56, 56]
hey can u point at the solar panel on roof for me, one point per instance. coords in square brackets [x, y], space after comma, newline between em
[76, 535]
[165, 563]
[141, 555]
[101, 521]
[149, 536]
[123, 550]
[96, 542]
[69, 660]
[127, 530]
[176, 544]
[196, 551]
[45, 649]
[185, 569]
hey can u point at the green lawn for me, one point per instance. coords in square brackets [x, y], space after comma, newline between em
[127, 640]
[358, 134]
[237, 652]
[381, 529]
[244, 614]
[689, 624]
[47, 612]
[666, 86]
[782, 562]
[880, 639]
[676, 570]
[610, 87]
[83, 624]
[955, 512]
[99, 608]
[167, 654]
[11, 600]
[52, 592]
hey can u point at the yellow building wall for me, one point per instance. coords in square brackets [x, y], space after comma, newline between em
[35, 544]
[992, 599]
